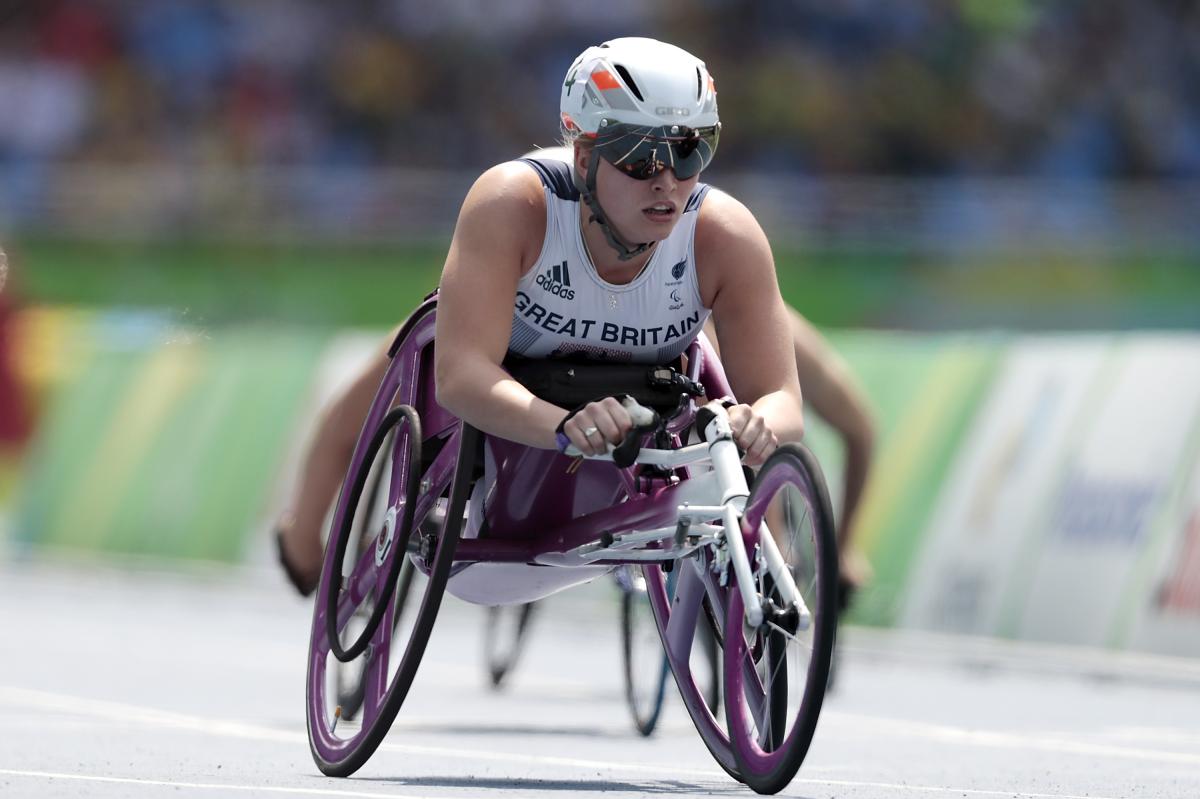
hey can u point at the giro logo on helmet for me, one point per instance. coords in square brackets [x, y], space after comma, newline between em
[664, 111]
[557, 281]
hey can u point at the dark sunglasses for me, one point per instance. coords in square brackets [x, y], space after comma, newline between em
[642, 152]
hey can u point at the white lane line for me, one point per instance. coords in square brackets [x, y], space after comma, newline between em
[202, 786]
[116, 711]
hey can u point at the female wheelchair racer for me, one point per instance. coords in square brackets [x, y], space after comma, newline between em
[653, 252]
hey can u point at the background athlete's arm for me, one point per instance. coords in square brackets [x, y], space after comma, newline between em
[831, 391]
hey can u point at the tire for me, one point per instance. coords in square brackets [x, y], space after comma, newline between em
[504, 638]
[396, 645]
[775, 678]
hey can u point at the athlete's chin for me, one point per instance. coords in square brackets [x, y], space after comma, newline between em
[656, 230]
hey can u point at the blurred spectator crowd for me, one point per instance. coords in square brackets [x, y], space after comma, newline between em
[1082, 88]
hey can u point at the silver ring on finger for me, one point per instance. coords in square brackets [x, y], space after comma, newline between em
[587, 433]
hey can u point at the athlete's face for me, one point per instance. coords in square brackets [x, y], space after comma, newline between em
[640, 210]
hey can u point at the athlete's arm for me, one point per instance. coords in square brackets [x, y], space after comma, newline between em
[499, 234]
[831, 391]
[737, 280]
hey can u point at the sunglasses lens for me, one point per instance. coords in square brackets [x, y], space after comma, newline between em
[643, 169]
[643, 152]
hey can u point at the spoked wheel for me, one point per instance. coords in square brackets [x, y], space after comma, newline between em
[775, 676]
[392, 640]
[646, 664]
[504, 637]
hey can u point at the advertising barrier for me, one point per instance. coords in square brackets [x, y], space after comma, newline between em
[1033, 487]
[1069, 514]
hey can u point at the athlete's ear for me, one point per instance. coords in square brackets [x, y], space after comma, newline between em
[583, 155]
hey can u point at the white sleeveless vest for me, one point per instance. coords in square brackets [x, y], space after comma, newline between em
[563, 308]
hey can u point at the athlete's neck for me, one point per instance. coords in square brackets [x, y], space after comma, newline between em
[605, 260]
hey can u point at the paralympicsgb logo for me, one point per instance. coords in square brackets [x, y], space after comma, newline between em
[678, 269]
[557, 281]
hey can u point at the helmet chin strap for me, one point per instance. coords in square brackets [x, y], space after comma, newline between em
[625, 250]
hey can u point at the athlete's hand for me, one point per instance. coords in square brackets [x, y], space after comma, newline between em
[598, 424]
[751, 434]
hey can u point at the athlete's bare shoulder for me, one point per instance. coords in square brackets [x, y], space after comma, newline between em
[724, 221]
[511, 186]
[505, 209]
[730, 244]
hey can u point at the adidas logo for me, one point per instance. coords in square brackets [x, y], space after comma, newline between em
[557, 281]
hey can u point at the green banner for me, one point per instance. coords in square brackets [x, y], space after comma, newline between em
[167, 448]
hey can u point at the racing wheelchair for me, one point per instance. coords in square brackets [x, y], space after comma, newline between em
[754, 555]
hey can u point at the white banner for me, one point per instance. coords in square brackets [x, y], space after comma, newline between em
[1071, 512]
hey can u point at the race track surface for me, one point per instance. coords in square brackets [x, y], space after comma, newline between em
[146, 683]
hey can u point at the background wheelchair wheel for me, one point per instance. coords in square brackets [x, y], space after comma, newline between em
[646, 666]
[341, 746]
[504, 637]
[679, 619]
[775, 677]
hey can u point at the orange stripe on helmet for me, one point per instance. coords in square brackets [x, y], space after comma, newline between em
[712, 85]
[605, 80]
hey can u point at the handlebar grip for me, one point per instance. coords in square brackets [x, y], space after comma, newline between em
[644, 419]
[624, 454]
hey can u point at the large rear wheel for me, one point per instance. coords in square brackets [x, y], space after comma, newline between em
[392, 648]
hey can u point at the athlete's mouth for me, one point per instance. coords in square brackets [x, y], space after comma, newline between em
[660, 211]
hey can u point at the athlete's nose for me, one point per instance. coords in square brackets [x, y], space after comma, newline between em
[664, 181]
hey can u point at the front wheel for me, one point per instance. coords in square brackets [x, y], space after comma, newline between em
[775, 676]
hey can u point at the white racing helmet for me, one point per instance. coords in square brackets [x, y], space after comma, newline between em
[645, 106]
[637, 81]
